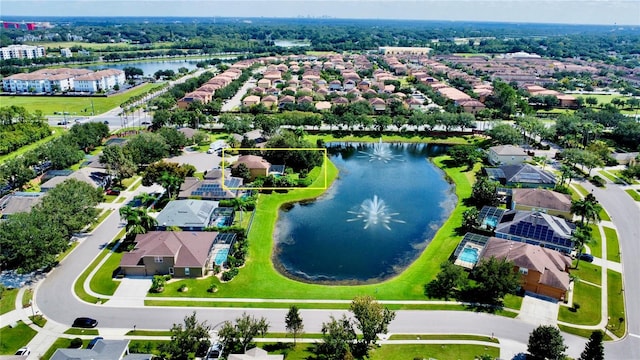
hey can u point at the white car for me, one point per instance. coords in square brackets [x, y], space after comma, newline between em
[25, 351]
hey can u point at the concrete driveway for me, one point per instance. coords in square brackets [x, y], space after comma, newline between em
[538, 311]
[201, 161]
[131, 292]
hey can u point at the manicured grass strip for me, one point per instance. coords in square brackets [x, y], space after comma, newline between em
[603, 215]
[634, 194]
[613, 247]
[588, 272]
[109, 198]
[146, 346]
[588, 297]
[432, 351]
[64, 254]
[596, 241]
[585, 333]
[581, 189]
[135, 186]
[126, 183]
[55, 132]
[259, 279]
[288, 335]
[15, 338]
[121, 199]
[78, 286]
[149, 333]
[39, 320]
[27, 297]
[278, 305]
[76, 106]
[608, 176]
[60, 343]
[102, 281]
[615, 303]
[79, 331]
[8, 301]
[443, 337]
[512, 301]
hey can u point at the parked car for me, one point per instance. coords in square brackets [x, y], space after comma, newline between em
[65, 122]
[106, 122]
[85, 322]
[24, 351]
[145, 123]
[112, 192]
[586, 257]
[214, 352]
[93, 342]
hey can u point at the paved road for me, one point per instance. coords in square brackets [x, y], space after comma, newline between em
[625, 214]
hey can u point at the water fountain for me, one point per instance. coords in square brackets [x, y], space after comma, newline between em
[373, 212]
[380, 153]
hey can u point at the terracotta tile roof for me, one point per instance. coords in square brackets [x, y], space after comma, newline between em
[253, 162]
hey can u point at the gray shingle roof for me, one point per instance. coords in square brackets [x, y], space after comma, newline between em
[187, 213]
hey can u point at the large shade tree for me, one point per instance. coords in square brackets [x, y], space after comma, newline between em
[546, 343]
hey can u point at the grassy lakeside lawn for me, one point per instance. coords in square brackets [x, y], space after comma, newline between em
[12, 339]
[588, 296]
[8, 300]
[74, 106]
[615, 303]
[55, 132]
[633, 193]
[259, 278]
[613, 247]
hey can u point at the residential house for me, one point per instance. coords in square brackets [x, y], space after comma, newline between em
[264, 83]
[471, 106]
[323, 105]
[188, 215]
[507, 155]
[335, 85]
[102, 350]
[179, 253]
[626, 158]
[378, 104]
[255, 354]
[543, 271]
[251, 100]
[523, 175]
[18, 202]
[270, 101]
[543, 200]
[88, 175]
[536, 228]
[210, 189]
[414, 103]
[257, 165]
[349, 84]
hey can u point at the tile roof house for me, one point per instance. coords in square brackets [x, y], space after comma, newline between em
[507, 155]
[251, 100]
[537, 228]
[471, 106]
[194, 188]
[548, 201]
[88, 175]
[523, 175]
[543, 271]
[180, 253]
[257, 165]
[188, 214]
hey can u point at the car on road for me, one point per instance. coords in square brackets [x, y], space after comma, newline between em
[106, 122]
[64, 122]
[214, 352]
[93, 342]
[586, 257]
[112, 192]
[24, 351]
[145, 123]
[85, 322]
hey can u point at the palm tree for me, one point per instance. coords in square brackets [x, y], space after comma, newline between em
[170, 182]
[581, 237]
[138, 220]
[587, 208]
[145, 199]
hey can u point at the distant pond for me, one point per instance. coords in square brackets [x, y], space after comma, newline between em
[149, 67]
[375, 220]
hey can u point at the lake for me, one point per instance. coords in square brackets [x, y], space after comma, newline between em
[375, 220]
[149, 67]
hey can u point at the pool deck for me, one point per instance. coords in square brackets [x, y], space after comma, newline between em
[467, 264]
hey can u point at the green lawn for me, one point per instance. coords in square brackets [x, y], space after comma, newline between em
[103, 215]
[443, 337]
[603, 215]
[64, 254]
[78, 286]
[589, 298]
[613, 247]
[12, 339]
[259, 279]
[60, 343]
[102, 281]
[588, 272]
[608, 176]
[634, 194]
[8, 300]
[27, 297]
[581, 189]
[79, 331]
[615, 303]
[78, 106]
[432, 351]
[596, 241]
[149, 333]
[585, 333]
[56, 131]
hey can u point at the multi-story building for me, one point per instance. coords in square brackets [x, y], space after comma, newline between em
[64, 79]
[21, 52]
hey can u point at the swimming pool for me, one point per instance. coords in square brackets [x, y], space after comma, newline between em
[469, 255]
[221, 256]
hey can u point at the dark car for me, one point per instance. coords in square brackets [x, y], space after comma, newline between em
[85, 322]
[106, 122]
[586, 257]
[93, 342]
[112, 192]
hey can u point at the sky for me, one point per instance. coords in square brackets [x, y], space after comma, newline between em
[602, 12]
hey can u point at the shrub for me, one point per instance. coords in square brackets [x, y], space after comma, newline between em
[75, 343]
[597, 181]
[157, 284]
[212, 288]
[230, 274]
[183, 288]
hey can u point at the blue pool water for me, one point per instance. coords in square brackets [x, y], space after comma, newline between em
[491, 221]
[221, 256]
[469, 255]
